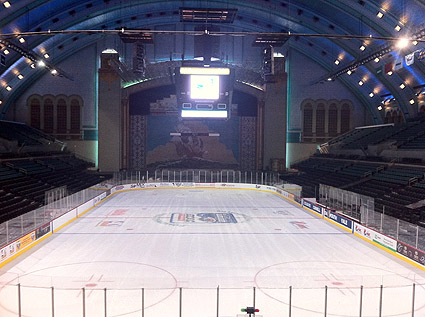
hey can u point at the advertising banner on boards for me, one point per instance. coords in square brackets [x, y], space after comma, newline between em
[340, 220]
[411, 253]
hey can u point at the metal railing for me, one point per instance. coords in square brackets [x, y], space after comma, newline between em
[362, 209]
[28, 222]
[34, 301]
[197, 176]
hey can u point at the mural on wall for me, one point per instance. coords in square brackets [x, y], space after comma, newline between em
[193, 148]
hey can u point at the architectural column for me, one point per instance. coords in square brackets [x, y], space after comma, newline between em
[109, 116]
[275, 114]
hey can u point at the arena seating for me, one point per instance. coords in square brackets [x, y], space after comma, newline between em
[23, 182]
[395, 188]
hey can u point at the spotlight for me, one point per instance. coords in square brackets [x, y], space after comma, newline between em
[22, 40]
[6, 4]
[8, 88]
[53, 71]
[20, 76]
[46, 55]
[377, 60]
[337, 62]
[32, 65]
[41, 63]
[6, 51]
[411, 101]
[329, 79]
[402, 86]
[361, 83]
[397, 28]
[402, 43]
[349, 72]
[379, 107]
[380, 15]
[415, 43]
[371, 95]
[390, 73]
[362, 48]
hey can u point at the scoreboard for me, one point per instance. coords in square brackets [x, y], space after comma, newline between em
[204, 92]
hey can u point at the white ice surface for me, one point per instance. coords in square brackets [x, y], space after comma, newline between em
[128, 243]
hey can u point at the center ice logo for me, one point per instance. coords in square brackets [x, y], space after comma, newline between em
[203, 218]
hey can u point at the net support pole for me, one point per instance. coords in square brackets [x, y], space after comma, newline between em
[253, 296]
[380, 300]
[361, 301]
[326, 300]
[53, 301]
[143, 302]
[290, 301]
[180, 302]
[104, 299]
[19, 301]
[84, 301]
[413, 300]
[218, 300]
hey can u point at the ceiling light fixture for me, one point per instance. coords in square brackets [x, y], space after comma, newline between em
[380, 15]
[402, 43]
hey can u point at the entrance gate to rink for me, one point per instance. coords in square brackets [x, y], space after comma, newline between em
[197, 176]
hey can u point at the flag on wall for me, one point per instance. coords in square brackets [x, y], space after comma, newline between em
[389, 67]
[398, 63]
[421, 55]
[409, 59]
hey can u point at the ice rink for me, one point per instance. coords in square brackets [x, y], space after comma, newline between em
[166, 252]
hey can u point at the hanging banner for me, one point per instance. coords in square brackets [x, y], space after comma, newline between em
[409, 59]
[389, 67]
[398, 63]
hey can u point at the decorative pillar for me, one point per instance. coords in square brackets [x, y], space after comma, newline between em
[275, 114]
[109, 116]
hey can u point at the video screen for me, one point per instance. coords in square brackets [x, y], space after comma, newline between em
[204, 87]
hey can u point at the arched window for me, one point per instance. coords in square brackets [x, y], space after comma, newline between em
[35, 112]
[400, 117]
[345, 118]
[333, 120]
[320, 120]
[61, 116]
[394, 115]
[308, 120]
[48, 116]
[75, 117]
[388, 117]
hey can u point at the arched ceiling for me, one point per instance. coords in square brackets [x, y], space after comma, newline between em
[313, 17]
